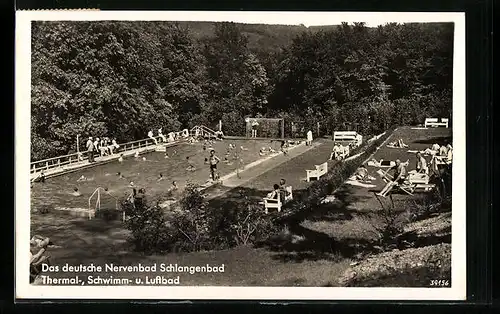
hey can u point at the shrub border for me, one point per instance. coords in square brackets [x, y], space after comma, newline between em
[334, 179]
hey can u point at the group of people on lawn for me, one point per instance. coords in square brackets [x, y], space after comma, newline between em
[422, 167]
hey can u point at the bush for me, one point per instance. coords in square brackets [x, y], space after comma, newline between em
[389, 226]
[150, 231]
[210, 228]
[250, 224]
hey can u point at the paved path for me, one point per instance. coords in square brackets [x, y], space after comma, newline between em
[232, 180]
[294, 169]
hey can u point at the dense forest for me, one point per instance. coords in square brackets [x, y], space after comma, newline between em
[121, 79]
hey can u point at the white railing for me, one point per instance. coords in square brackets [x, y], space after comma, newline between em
[201, 130]
[66, 161]
[97, 206]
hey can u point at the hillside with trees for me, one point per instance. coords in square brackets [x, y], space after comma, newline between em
[122, 79]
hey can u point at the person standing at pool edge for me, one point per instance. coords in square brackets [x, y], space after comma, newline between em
[213, 161]
[255, 124]
[151, 136]
[90, 149]
[309, 138]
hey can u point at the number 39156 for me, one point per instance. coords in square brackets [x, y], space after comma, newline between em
[440, 283]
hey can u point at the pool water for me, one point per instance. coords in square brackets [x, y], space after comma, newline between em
[56, 192]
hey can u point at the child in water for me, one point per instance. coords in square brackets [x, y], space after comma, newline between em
[76, 192]
[190, 166]
[84, 178]
[160, 177]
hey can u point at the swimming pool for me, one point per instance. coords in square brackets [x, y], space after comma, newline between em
[56, 191]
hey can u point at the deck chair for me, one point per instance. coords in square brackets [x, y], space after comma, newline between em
[382, 163]
[406, 187]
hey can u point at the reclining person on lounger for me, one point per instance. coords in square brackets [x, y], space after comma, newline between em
[398, 178]
[397, 144]
[432, 151]
[385, 163]
[362, 174]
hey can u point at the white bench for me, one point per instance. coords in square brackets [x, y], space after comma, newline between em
[348, 136]
[318, 172]
[434, 122]
[273, 203]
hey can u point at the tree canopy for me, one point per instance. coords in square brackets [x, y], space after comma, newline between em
[121, 79]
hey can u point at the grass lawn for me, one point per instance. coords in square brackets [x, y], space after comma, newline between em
[99, 242]
[346, 219]
[317, 250]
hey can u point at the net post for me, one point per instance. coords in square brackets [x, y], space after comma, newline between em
[283, 128]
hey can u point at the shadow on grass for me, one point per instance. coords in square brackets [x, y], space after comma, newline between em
[313, 245]
[441, 140]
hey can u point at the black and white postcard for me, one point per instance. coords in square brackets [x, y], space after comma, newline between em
[240, 155]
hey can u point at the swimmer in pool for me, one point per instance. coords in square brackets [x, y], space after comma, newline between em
[166, 156]
[143, 158]
[120, 159]
[160, 177]
[227, 161]
[131, 183]
[173, 187]
[190, 166]
[76, 192]
[84, 178]
[40, 178]
[136, 154]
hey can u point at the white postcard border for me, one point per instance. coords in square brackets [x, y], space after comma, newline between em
[25, 290]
